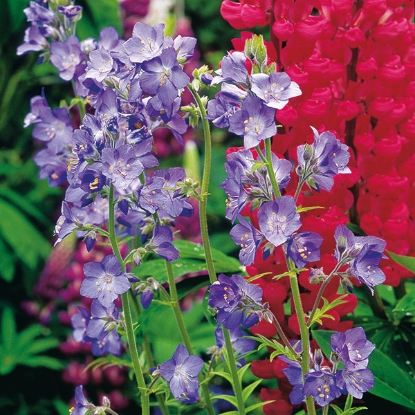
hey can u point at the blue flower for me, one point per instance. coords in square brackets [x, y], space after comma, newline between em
[279, 219]
[304, 247]
[352, 347]
[236, 301]
[254, 122]
[104, 280]
[67, 57]
[355, 381]
[163, 76]
[146, 42]
[274, 89]
[248, 238]
[320, 162]
[82, 406]
[321, 385]
[181, 372]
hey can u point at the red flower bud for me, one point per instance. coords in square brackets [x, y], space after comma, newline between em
[367, 69]
[370, 224]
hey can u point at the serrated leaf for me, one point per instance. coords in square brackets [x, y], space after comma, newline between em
[405, 261]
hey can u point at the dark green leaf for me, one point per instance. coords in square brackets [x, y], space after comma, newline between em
[106, 13]
[17, 16]
[8, 330]
[406, 304]
[7, 263]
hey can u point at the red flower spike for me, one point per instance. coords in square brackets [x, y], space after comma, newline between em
[279, 407]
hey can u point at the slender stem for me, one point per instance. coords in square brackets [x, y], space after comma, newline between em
[175, 304]
[282, 335]
[205, 186]
[320, 292]
[325, 410]
[305, 340]
[149, 357]
[145, 401]
[237, 387]
[270, 169]
[185, 335]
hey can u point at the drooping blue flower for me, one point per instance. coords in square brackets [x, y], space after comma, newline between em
[225, 104]
[279, 219]
[79, 322]
[36, 13]
[181, 372]
[248, 238]
[362, 253]
[294, 375]
[274, 89]
[233, 69]
[365, 267]
[236, 301]
[352, 347]
[161, 243]
[354, 381]
[320, 162]
[321, 385]
[82, 406]
[254, 122]
[240, 344]
[163, 76]
[34, 41]
[104, 280]
[304, 247]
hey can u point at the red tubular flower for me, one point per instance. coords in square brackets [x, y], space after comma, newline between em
[247, 13]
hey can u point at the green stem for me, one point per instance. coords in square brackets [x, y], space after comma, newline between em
[305, 339]
[270, 169]
[205, 186]
[237, 387]
[175, 304]
[149, 357]
[145, 401]
[185, 335]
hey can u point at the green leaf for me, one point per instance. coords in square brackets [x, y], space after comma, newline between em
[44, 361]
[105, 13]
[406, 304]
[247, 392]
[258, 405]
[391, 381]
[8, 329]
[242, 370]
[17, 16]
[23, 238]
[23, 204]
[322, 313]
[108, 361]
[231, 399]
[7, 263]
[405, 261]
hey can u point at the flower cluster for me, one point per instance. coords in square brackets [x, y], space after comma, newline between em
[126, 90]
[325, 384]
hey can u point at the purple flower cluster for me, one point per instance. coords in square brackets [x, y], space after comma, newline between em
[98, 327]
[246, 104]
[236, 301]
[325, 384]
[133, 88]
[320, 162]
[362, 254]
